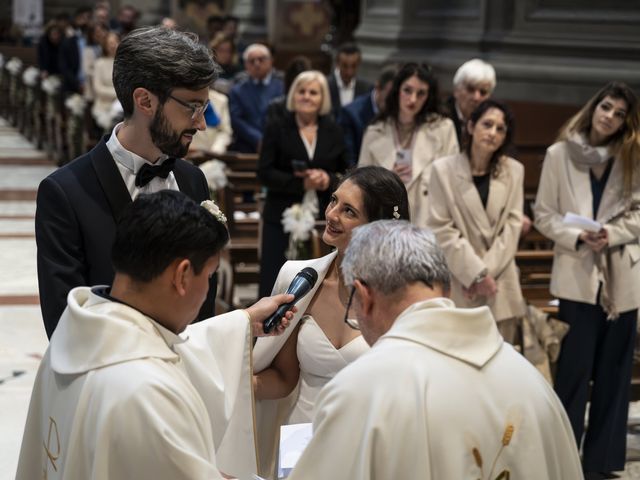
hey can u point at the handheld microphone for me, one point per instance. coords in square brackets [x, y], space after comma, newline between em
[301, 284]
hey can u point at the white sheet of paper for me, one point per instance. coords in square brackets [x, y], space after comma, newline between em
[583, 223]
[293, 440]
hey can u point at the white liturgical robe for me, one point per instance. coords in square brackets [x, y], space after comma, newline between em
[118, 396]
[440, 396]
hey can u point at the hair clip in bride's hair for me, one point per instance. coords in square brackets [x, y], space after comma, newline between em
[211, 207]
[396, 214]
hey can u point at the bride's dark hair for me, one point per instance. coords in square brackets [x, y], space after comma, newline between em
[383, 193]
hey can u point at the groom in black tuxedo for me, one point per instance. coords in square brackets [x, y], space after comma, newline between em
[162, 79]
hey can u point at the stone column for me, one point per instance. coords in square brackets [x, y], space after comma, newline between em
[545, 50]
[253, 19]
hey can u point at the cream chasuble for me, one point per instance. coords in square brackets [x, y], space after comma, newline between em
[440, 396]
[119, 396]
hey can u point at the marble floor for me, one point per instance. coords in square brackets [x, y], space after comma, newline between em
[22, 337]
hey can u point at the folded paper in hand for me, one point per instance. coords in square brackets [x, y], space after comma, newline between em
[583, 223]
[293, 440]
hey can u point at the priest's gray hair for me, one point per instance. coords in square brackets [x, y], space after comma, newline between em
[388, 255]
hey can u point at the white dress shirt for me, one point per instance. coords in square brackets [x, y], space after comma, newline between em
[347, 92]
[129, 164]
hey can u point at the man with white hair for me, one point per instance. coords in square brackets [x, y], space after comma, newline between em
[440, 395]
[248, 100]
[473, 83]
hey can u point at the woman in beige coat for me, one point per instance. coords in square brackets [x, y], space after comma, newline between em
[409, 134]
[475, 212]
[104, 91]
[592, 171]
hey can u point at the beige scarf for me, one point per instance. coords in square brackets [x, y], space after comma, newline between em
[584, 154]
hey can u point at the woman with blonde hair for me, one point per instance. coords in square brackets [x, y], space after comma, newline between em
[592, 171]
[302, 155]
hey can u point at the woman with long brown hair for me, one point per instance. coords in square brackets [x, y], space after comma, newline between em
[409, 134]
[592, 171]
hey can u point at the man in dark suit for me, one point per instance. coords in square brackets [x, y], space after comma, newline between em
[249, 100]
[70, 53]
[358, 114]
[162, 79]
[344, 85]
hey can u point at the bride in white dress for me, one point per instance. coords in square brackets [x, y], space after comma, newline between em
[318, 344]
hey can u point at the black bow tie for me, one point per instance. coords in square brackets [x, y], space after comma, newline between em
[149, 172]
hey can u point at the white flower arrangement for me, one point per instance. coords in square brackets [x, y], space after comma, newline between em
[214, 171]
[211, 207]
[116, 109]
[298, 221]
[103, 119]
[30, 76]
[107, 119]
[76, 104]
[14, 65]
[51, 85]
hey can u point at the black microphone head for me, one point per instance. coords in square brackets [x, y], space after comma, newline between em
[310, 274]
[301, 284]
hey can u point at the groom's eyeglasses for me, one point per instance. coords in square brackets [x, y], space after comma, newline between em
[196, 109]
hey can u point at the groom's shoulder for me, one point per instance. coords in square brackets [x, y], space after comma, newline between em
[81, 166]
[188, 167]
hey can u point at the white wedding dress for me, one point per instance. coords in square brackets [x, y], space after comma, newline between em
[319, 361]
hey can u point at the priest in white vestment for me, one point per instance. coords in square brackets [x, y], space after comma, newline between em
[121, 393]
[440, 395]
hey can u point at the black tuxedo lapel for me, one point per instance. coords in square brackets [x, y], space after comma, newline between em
[183, 181]
[110, 178]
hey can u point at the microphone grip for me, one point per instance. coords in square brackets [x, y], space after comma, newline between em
[274, 320]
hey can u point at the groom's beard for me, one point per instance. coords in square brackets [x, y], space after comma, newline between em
[168, 141]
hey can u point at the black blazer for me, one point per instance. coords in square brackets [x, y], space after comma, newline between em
[362, 87]
[77, 209]
[48, 56]
[450, 111]
[281, 144]
[69, 64]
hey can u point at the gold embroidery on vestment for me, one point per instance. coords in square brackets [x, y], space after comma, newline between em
[53, 457]
[505, 474]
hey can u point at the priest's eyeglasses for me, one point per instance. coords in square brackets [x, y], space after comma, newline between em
[195, 108]
[352, 322]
